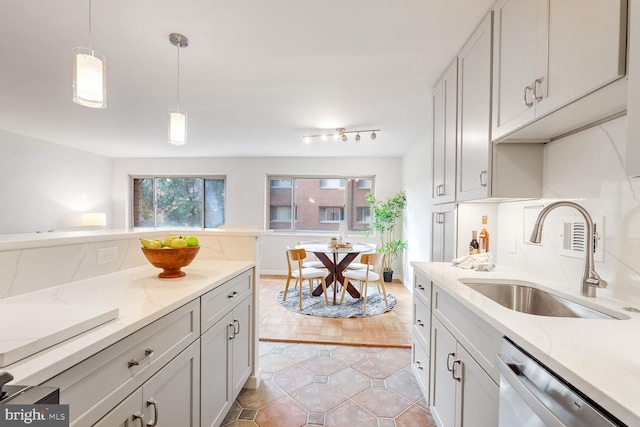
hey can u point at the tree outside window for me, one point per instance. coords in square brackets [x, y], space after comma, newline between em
[178, 202]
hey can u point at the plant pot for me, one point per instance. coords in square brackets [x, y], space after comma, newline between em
[387, 275]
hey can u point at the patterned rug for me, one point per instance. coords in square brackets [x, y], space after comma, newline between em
[351, 307]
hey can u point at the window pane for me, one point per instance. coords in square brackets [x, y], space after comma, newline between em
[143, 214]
[312, 198]
[213, 202]
[280, 204]
[331, 214]
[332, 183]
[179, 203]
[359, 215]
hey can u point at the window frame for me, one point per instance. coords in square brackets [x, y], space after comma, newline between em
[155, 177]
[294, 188]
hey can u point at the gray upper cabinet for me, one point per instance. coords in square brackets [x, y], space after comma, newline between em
[557, 66]
[445, 114]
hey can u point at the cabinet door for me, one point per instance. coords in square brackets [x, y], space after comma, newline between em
[443, 385]
[477, 405]
[445, 113]
[125, 414]
[242, 345]
[474, 114]
[216, 393]
[585, 49]
[443, 233]
[172, 396]
[514, 66]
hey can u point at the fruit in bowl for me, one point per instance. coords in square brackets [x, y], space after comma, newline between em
[171, 254]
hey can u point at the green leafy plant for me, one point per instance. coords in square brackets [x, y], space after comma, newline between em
[385, 214]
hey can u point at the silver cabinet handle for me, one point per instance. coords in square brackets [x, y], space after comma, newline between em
[236, 332]
[419, 365]
[453, 369]
[440, 190]
[147, 354]
[439, 218]
[537, 82]
[483, 183]
[136, 416]
[152, 402]
[527, 89]
[419, 322]
[421, 287]
[450, 369]
[232, 295]
[232, 331]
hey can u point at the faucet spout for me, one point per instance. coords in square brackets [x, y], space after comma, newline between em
[590, 279]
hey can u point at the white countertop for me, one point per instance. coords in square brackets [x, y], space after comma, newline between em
[599, 357]
[140, 297]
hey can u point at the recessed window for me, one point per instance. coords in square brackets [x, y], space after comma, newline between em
[178, 202]
[319, 203]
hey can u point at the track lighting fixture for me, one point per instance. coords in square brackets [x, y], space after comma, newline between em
[341, 134]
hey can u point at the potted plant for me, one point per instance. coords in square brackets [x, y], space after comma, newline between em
[385, 215]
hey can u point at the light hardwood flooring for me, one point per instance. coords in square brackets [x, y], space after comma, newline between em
[391, 329]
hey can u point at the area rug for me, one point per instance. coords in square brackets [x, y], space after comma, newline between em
[351, 307]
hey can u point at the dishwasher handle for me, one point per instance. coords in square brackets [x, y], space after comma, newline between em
[528, 392]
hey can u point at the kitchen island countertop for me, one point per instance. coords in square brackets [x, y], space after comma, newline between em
[599, 357]
[140, 297]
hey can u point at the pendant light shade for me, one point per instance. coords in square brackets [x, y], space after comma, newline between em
[177, 127]
[178, 117]
[89, 78]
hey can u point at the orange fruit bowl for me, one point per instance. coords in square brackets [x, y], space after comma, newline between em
[171, 261]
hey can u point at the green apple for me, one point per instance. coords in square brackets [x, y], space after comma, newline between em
[178, 243]
[192, 241]
[151, 244]
[167, 241]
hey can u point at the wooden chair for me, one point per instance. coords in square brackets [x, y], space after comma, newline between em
[370, 274]
[295, 258]
[359, 265]
[311, 264]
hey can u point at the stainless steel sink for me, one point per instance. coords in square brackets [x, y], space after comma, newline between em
[527, 299]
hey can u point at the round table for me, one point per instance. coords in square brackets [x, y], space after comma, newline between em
[335, 265]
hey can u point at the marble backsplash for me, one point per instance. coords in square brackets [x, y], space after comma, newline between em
[587, 168]
[30, 269]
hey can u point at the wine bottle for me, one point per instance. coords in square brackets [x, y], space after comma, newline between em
[484, 236]
[474, 247]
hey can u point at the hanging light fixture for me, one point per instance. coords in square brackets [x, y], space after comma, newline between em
[177, 117]
[89, 75]
[358, 137]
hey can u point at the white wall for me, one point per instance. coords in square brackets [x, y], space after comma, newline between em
[45, 185]
[416, 178]
[246, 189]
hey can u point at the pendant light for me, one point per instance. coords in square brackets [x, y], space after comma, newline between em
[89, 75]
[177, 117]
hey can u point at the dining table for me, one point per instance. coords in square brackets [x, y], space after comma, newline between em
[336, 258]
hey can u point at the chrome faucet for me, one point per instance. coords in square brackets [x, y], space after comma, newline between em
[590, 279]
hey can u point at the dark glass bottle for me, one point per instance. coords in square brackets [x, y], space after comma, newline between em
[474, 247]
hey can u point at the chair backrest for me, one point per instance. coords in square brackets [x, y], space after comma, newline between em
[373, 260]
[295, 255]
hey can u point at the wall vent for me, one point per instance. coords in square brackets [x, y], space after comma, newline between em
[573, 234]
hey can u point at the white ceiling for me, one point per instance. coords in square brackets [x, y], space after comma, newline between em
[256, 77]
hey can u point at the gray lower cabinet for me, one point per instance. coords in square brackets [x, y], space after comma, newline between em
[227, 349]
[169, 398]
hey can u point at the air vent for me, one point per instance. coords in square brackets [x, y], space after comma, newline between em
[574, 230]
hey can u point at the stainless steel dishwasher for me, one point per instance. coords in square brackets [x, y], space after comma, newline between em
[533, 396]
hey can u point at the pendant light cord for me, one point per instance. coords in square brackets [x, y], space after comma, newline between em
[90, 27]
[178, 83]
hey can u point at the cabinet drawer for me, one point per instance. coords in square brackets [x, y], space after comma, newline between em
[480, 339]
[422, 289]
[421, 322]
[99, 383]
[420, 367]
[216, 303]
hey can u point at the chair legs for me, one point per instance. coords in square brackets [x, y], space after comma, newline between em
[344, 289]
[364, 287]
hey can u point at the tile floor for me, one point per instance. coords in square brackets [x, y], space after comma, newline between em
[332, 385]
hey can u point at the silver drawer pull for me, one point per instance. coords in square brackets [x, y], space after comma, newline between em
[419, 322]
[236, 331]
[419, 365]
[147, 354]
[136, 416]
[153, 402]
[232, 331]
[421, 287]
[453, 369]
[232, 295]
[450, 369]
